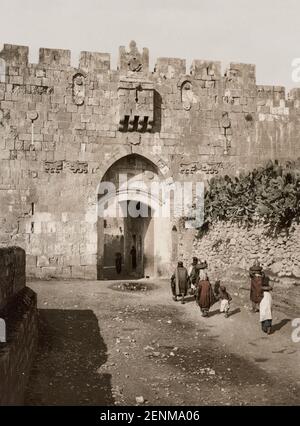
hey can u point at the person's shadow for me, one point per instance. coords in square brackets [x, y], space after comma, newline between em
[189, 299]
[280, 325]
[66, 369]
[216, 312]
[235, 311]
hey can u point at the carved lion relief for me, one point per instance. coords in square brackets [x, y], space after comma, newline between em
[187, 95]
[79, 88]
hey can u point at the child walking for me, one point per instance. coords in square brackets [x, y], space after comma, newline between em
[225, 299]
[265, 310]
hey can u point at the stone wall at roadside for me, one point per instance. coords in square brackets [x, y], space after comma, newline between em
[229, 246]
[12, 273]
[62, 127]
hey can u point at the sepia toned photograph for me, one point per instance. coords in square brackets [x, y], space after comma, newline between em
[149, 206]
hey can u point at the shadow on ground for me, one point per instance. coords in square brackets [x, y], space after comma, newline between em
[280, 325]
[70, 351]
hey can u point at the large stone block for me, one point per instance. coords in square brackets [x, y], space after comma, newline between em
[15, 55]
[131, 61]
[54, 58]
[241, 75]
[206, 70]
[170, 67]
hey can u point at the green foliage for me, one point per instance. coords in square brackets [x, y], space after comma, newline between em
[269, 194]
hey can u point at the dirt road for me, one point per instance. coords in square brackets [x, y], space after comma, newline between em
[102, 346]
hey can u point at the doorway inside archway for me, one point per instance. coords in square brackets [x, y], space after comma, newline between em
[129, 244]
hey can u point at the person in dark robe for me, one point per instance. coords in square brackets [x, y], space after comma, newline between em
[118, 263]
[217, 289]
[225, 299]
[256, 287]
[194, 274]
[205, 295]
[202, 275]
[133, 257]
[265, 309]
[180, 282]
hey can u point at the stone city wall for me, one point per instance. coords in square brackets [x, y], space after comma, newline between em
[62, 127]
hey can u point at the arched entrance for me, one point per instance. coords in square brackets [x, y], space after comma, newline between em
[134, 240]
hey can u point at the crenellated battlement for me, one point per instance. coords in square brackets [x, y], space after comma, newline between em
[129, 59]
[132, 61]
[63, 124]
[204, 82]
[56, 58]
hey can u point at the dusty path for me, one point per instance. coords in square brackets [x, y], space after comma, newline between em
[101, 346]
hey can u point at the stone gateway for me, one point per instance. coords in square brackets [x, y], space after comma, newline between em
[64, 130]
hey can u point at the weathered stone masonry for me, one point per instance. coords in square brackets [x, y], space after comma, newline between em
[62, 127]
[18, 309]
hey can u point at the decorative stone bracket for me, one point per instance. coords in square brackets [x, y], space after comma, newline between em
[195, 167]
[136, 105]
[133, 61]
[187, 96]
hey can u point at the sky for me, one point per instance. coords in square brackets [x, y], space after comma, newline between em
[263, 32]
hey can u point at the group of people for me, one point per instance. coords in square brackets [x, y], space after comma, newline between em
[119, 260]
[195, 281]
[260, 296]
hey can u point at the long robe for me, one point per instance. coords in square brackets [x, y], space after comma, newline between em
[133, 257]
[256, 291]
[205, 296]
[265, 307]
[180, 281]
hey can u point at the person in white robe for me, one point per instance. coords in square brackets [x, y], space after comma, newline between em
[265, 310]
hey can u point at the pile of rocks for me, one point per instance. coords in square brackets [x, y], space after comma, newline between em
[227, 246]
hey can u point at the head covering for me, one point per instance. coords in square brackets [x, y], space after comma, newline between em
[203, 265]
[256, 267]
[195, 259]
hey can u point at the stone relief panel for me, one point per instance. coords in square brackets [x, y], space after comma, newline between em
[227, 131]
[77, 167]
[187, 95]
[53, 167]
[79, 89]
[56, 167]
